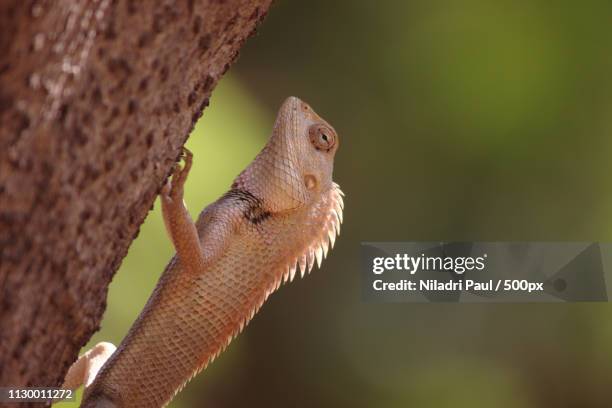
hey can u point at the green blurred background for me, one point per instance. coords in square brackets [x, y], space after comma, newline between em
[459, 120]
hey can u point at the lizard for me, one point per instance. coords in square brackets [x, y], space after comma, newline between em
[281, 214]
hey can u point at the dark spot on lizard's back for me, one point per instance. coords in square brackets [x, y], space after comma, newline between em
[243, 196]
[256, 215]
[254, 211]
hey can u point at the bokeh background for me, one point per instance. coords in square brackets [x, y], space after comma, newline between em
[459, 120]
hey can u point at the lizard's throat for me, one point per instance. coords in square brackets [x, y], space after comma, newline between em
[273, 179]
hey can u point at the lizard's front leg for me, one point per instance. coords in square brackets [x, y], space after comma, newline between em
[179, 224]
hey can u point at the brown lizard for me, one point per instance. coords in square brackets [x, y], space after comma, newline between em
[282, 212]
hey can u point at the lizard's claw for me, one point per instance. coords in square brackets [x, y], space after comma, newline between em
[180, 175]
[173, 189]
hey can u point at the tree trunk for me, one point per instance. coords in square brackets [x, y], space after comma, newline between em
[96, 100]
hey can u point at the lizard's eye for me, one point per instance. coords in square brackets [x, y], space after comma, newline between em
[322, 137]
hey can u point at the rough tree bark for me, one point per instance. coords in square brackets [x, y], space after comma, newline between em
[96, 100]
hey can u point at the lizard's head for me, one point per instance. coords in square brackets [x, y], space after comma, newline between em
[295, 168]
[293, 172]
[316, 143]
[308, 145]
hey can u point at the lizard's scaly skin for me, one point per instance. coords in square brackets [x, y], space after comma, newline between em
[281, 213]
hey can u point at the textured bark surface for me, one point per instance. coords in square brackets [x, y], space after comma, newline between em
[96, 100]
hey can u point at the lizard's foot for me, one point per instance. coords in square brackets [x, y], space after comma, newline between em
[84, 370]
[179, 225]
[173, 189]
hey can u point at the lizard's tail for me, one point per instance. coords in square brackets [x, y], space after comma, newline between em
[85, 369]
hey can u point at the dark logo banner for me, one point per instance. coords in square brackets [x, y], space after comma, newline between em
[485, 271]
